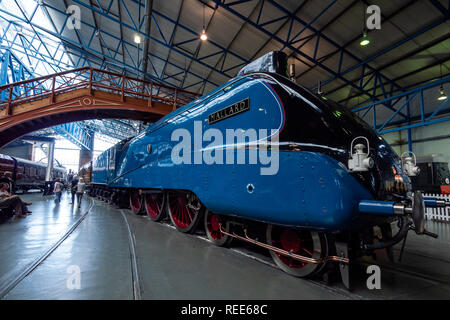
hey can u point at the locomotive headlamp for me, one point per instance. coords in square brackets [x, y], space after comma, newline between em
[360, 161]
[409, 164]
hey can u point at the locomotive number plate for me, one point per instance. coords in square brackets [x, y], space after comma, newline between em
[229, 111]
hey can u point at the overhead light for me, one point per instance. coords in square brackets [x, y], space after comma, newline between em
[365, 40]
[137, 39]
[442, 95]
[204, 36]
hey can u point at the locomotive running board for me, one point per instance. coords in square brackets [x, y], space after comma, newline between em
[342, 260]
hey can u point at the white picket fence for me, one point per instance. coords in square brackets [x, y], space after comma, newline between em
[438, 214]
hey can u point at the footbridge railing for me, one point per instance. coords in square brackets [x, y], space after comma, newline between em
[48, 87]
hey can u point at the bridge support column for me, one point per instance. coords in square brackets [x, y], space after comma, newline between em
[50, 157]
[86, 154]
[48, 188]
[85, 157]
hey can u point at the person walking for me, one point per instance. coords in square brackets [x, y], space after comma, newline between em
[81, 186]
[73, 188]
[57, 190]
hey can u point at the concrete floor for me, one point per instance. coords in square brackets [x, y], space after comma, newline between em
[172, 265]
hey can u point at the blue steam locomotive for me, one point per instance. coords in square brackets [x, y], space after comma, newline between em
[264, 160]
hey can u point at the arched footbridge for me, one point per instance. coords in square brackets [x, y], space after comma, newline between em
[82, 94]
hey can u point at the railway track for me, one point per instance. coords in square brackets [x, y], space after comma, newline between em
[6, 287]
[137, 286]
[415, 272]
[260, 256]
[17, 278]
[242, 249]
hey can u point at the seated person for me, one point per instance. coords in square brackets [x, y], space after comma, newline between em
[13, 202]
[7, 178]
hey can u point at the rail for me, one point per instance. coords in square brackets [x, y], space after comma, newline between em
[50, 86]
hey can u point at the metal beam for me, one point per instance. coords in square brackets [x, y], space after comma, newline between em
[398, 60]
[313, 59]
[348, 43]
[441, 8]
[85, 50]
[416, 94]
[76, 133]
[148, 23]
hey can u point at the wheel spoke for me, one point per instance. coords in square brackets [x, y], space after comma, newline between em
[189, 213]
[295, 241]
[183, 217]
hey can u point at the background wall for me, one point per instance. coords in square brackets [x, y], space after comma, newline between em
[24, 151]
[433, 139]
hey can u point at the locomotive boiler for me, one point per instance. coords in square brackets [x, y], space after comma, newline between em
[266, 161]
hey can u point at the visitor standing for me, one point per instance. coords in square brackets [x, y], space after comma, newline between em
[57, 190]
[73, 188]
[81, 186]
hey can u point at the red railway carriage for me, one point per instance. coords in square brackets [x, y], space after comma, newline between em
[27, 174]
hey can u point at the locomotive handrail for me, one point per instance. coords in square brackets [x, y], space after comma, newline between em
[93, 79]
[285, 253]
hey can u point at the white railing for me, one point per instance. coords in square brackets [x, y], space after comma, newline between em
[438, 214]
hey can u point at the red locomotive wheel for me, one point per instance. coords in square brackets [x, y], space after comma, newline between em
[155, 205]
[135, 202]
[185, 211]
[212, 228]
[301, 242]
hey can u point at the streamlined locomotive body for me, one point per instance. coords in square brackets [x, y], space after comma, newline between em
[264, 160]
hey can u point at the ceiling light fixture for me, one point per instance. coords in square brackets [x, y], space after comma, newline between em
[364, 40]
[137, 39]
[442, 95]
[203, 36]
